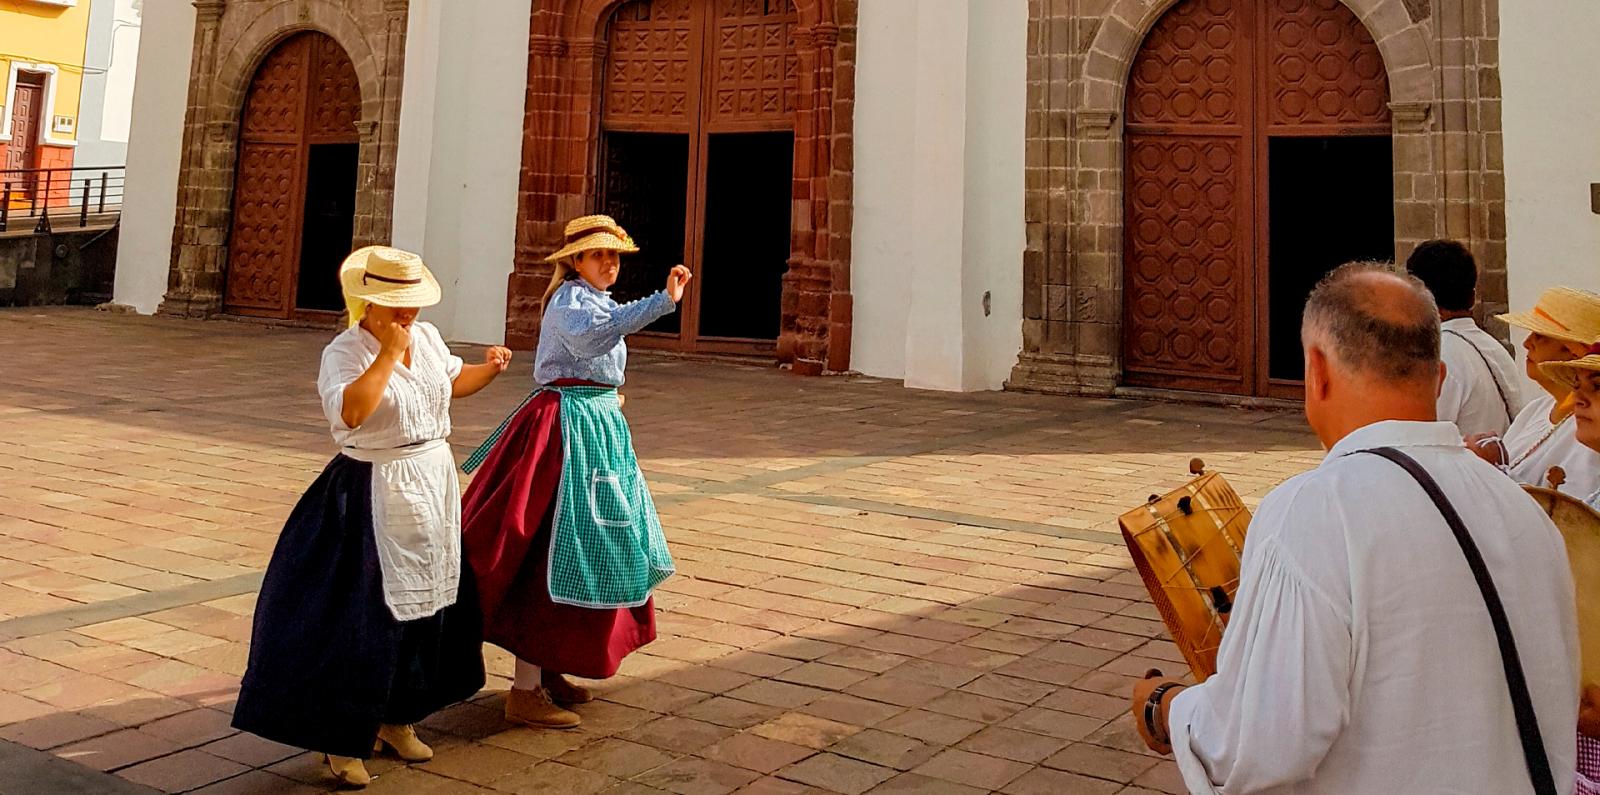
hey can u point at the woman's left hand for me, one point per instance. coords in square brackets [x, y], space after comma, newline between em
[498, 357]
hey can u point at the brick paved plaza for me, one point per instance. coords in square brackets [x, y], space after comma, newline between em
[880, 590]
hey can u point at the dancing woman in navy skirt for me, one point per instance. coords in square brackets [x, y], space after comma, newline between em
[559, 527]
[358, 631]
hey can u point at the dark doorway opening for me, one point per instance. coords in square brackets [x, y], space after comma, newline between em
[1331, 201]
[644, 191]
[748, 208]
[329, 224]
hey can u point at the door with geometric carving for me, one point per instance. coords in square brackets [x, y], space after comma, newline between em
[294, 189]
[1214, 276]
[697, 123]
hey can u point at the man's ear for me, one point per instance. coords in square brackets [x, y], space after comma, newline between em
[1444, 372]
[1318, 371]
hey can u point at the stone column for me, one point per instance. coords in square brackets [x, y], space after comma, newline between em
[194, 287]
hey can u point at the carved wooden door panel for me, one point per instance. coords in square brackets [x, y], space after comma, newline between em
[679, 72]
[304, 93]
[1189, 273]
[1213, 81]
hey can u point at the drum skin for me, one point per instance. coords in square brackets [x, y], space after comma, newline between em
[1580, 526]
[1187, 545]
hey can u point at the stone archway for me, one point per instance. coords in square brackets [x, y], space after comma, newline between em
[567, 49]
[232, 38]
[1445, 170]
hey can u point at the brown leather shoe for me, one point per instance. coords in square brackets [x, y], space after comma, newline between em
[404, 742]
[534, 708]
[564, 692]
[350, 772]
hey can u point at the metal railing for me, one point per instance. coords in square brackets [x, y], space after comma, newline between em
[51, 197]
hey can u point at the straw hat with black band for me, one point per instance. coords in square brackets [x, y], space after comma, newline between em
[387, 277]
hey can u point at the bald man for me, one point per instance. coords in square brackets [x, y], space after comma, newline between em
[1361, 656]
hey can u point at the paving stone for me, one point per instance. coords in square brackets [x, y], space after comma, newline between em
[690, 776]
[973, 770]
[805, 730]
[554, 778]
[730, 712]
[183, 771]
[1018, 746]
[678, 735]
[838, 774]
[1043, 781]
[117, 749]
[884, 748]
[618, 758]
[932, 727]
[917, 784]
[1101, 762]
[755, 752]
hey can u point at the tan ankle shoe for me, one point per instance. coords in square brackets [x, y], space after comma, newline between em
[534, 708]
[350, 772]
[564, 692]
[403, 741]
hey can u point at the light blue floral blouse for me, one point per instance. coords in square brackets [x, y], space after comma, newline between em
[582, 334]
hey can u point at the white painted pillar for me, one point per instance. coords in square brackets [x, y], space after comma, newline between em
[938, 233]
[461, 153]
[1552, 146]
[155, 147]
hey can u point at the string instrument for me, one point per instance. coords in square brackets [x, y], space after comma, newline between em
[1186, 546]
[1580, 527]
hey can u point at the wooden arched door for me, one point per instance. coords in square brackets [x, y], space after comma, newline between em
[295, 186]
[1258, 157]
[697, 123]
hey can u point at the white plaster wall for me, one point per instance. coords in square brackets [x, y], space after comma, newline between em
[997, 96]
[1551, 115]
[881, 253]
[155, 141]
[940, 106]
[460, 154]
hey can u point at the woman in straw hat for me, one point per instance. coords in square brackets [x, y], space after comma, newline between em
[559, 528]
[358, 630]
[1561, 327]
[1583, 377]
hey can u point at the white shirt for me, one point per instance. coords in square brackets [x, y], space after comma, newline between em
[1533, 446]
[416, 496]
[416, 403]
[1360, 657]
[1481, 392]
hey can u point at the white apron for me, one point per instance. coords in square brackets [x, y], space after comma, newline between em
[416, 523]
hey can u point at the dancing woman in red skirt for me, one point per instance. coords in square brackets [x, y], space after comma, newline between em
[559, 527]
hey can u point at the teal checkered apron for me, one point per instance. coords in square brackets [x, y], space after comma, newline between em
[607, 549]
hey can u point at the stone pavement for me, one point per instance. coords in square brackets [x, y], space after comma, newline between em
[881, 590]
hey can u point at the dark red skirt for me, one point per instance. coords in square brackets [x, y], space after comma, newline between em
[506, 521]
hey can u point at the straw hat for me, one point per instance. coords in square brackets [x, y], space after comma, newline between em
[1563, 313]
[1568, 372]
[388, 277]
[594, 232]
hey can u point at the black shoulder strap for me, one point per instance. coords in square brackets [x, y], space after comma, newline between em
[1521, 702]
[1511, 415]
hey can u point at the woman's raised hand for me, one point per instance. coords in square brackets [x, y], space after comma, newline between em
[395, 339]
[498, 357]
[677, 279]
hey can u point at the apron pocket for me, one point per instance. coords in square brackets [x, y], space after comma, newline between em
[607, 501]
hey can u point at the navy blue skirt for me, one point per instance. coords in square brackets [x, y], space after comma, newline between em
[328, 662]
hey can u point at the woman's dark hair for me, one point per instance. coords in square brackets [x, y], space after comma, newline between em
[1449, 271]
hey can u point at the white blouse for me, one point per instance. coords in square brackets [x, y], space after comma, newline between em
[1533, 446]
[416, 496]
[416, 403]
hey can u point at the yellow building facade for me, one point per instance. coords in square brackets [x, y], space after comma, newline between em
[42, 49]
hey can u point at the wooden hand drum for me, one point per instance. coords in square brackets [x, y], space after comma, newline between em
[1187, 546]
[1580, 526]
